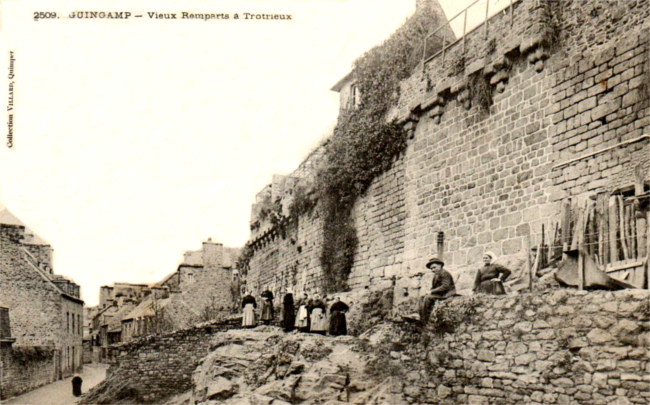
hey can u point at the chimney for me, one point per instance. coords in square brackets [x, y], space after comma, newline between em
[212, 255]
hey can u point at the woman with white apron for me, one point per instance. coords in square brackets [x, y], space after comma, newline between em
[302, 318]
[248, 304]
[318, 316]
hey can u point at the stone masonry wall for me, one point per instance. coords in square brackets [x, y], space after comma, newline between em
[142, 367]
[379, 218]
[289, 258]
[561, 88]
[23, 371]
[564, 83]
[558, 347]
[206, 288]
[34, 305]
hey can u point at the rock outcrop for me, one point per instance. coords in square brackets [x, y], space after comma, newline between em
[267, 366]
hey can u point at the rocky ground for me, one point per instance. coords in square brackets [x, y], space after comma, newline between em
[553, 346]
[266, 366]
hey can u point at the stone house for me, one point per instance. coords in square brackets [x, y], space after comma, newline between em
[161, 311]
[207, 278]
[45, 310]
[204, 284]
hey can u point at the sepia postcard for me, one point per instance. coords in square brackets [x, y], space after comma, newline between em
[325, 201]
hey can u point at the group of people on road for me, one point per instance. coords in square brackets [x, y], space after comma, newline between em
[489, 280]
[305, 315]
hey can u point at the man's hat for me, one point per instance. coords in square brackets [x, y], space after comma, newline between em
[434, 260]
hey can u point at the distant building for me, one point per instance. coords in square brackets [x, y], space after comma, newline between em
[207, 278]
[44, 310]
[159, 312]
[203, 285]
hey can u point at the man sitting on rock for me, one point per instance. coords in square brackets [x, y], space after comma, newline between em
[442, 287]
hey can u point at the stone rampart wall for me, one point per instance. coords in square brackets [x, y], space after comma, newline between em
[564, 85]
[559, 347]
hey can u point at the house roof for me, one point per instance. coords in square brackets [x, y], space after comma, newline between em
[7, 218]
[166, 279]
[339, 85]
[145, 308]
[48, 278]
[193, 257]
[115, 324]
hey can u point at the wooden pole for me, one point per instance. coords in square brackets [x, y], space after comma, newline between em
[604, 230]
[631, 231]
[578, 230]
[542, 257]
[622, 227]
[581, 253]
[581, 270]
[441, 244]
[536, 266]
[647, 251]
[641, 221]
[566, 224]
[528, 266]
[554, 242]
[613, 228]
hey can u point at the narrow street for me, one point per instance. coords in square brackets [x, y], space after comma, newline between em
[60, 392]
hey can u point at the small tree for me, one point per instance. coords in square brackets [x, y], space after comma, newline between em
[159, 321]
[211, 311]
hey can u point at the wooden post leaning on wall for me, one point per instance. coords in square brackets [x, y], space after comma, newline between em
[441, 245]
[529, 269]
[603, 232]
[622, 227]
[581, 250]
[642, 221]
[613, 229]
[566, 224]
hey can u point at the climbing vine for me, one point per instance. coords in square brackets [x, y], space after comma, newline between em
[28, 356]
[365, 144]
[243, 261]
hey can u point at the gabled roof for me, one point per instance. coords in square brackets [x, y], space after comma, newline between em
[193, 257]
[7, 218]
[166, 279]
[47, 279]
[115, 324]
[145, 308]
[339, 85]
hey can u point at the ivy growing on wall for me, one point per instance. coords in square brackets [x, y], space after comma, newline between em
[243, 261]
[28, 356]
[364, 144]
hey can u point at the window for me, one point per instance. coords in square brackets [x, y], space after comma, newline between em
[73, 323]
[190, 277]
[355, 96]
[67, 317]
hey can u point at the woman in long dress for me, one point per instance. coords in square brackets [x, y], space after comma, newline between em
[490, 278]
[302, 318]
[248, 304]
[267, 307]
[318, 316]
[288, 314]
[338, 324]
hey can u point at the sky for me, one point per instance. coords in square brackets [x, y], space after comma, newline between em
[135, 140]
